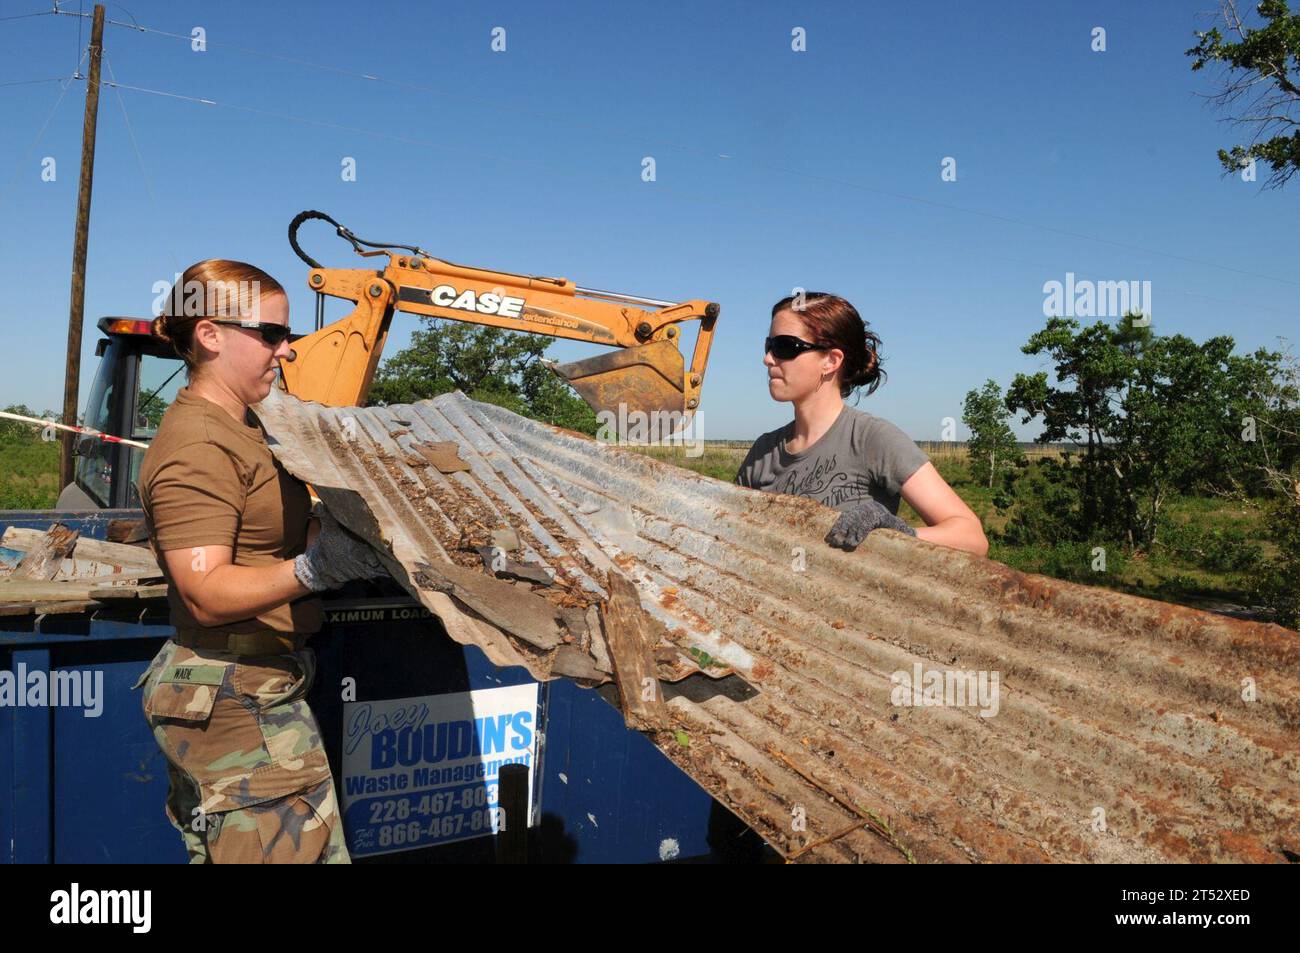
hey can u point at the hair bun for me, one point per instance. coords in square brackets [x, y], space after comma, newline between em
[159, 329]
[869, 374]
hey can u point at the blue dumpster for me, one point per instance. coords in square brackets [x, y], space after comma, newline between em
[78, 785]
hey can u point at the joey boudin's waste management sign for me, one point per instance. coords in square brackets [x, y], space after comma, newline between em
[424, 771]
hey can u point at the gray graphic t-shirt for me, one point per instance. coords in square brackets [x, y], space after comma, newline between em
[860, 456]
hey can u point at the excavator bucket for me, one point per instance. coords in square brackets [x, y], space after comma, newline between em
[645, 378]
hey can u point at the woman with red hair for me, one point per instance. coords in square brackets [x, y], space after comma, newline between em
[818, 351]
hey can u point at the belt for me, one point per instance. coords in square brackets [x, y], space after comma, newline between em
[247, 643]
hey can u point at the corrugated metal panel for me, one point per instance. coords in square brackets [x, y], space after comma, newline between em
[1122, 730]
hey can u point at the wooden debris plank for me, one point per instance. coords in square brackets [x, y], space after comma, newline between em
[90, 570]
[133, 557]
[128, 592]
[599, 650]
[509, 568]
[39, 590]
[45, 558]
[627, 636]
[517, 611]
[63, 608]
[572, 662]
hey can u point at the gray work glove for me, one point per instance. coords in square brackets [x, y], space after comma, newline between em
[856, 522]
[335, 557]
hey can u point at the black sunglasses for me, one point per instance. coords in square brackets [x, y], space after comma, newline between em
[272, 333]
[785, 347]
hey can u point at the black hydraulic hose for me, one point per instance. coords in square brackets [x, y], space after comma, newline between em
[342, 232]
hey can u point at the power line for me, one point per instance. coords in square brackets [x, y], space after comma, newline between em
[135, 145]
[33, 82]
[112, 82]
[570, 122]
[683, 194]
[159, 92]
[4, 196]
[324, 123]
[25, 16]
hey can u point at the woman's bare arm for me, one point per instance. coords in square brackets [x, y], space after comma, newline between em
[949, 521]
[215, 591]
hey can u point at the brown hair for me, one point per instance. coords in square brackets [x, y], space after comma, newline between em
[212, 288]
[833, 322]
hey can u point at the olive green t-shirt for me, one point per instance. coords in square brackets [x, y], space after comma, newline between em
[209, 480]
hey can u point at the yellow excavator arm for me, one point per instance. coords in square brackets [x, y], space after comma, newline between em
[335, 364]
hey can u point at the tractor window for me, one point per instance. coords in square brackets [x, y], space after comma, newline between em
[160, 379]
[94, 464]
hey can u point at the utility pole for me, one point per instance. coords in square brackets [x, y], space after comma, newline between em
[77, 309]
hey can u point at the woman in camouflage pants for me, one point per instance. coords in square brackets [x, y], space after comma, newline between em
[244, 561]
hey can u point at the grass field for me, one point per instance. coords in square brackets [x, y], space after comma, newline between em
[29, 474]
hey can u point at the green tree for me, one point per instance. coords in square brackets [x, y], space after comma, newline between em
[1278, 587]
[485, 363]
[1092, 365]
[992, 446]
[1262, 391]
[1278, 433]
[1048, 506]
[20, 431]
[1262, 70]
[1262, 80]
[1150, 415]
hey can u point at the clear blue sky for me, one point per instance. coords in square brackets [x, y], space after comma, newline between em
[775, 168]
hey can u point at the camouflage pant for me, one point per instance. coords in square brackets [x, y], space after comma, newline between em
[250, 782]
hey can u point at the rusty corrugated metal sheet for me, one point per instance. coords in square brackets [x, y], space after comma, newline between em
[1113, 712]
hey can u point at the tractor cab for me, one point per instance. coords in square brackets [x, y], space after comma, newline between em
[138, 377]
